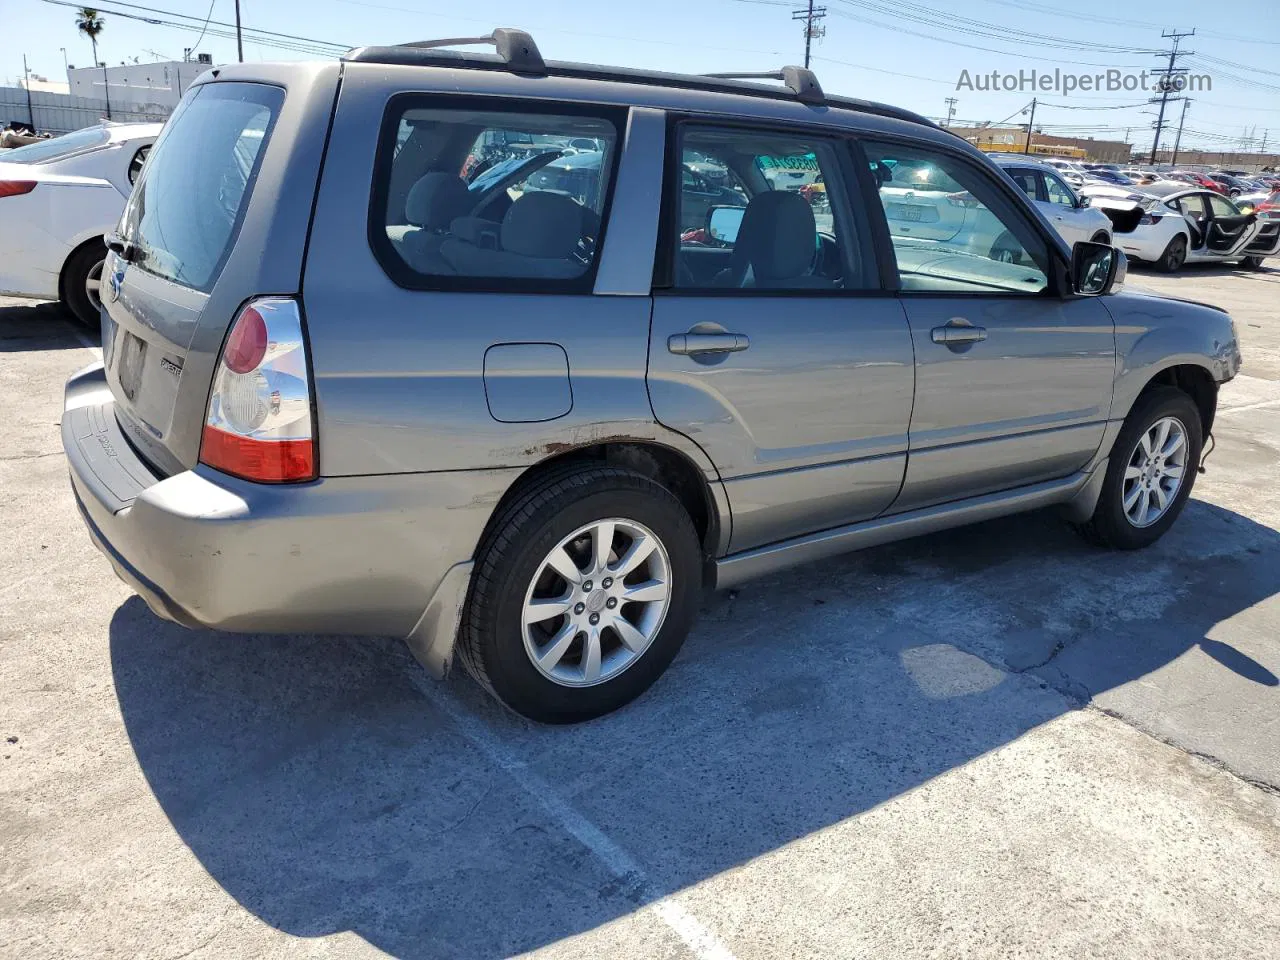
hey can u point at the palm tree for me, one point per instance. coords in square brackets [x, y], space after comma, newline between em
[90, 23]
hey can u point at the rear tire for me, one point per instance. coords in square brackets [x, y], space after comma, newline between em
[1252, 263]
[82, 281]
[1005, 249]
[544, 668]
[1174, 256]
[1114, 522]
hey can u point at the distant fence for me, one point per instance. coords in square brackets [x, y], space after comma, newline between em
[62, 113]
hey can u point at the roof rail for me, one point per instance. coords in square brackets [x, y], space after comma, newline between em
[799, 80]
[515, 49]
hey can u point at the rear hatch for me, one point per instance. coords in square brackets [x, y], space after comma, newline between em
[175, 237]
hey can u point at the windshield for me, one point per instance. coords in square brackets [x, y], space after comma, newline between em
[58, 147]
[491, 175]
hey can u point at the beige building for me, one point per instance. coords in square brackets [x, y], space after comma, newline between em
[1213, 159]
[1014, 140]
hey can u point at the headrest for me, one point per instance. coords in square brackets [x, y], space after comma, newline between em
[436, 199]
[542, 224]
[477, 231]
[778, 236]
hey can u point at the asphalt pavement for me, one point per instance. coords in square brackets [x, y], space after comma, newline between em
[995, 742]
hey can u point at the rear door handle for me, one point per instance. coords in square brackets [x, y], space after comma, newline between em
[686, 344]
[957, 330]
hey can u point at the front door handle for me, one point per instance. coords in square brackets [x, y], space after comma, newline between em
[686, 344]
[958, 332]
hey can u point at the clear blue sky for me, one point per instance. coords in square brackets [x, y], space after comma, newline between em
[900, 53]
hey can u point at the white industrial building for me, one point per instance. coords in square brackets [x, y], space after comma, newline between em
[138, 84]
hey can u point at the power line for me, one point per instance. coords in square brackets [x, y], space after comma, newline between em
[203, 30]
[973, 46]
[929, 16]
[216, 28]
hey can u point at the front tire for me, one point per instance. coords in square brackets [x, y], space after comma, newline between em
[1150, 473]
[585, 588]
[82, 283]
[1174, 256]
[1252, 263]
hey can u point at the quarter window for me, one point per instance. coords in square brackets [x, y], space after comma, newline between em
[951, 227]
[760, 211]
[470, 194]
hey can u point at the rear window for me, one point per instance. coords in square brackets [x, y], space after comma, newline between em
[90, 138]
[488, 196]
[187, 206]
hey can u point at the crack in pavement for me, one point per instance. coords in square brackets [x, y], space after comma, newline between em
[30, 456]
[1076, 692]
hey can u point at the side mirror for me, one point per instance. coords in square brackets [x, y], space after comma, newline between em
[1082, 201]
[724, 222]
[1097, 268]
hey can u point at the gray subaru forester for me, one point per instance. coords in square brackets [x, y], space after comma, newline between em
[515, 358]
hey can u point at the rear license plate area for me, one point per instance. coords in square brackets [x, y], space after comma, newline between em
[133, 356]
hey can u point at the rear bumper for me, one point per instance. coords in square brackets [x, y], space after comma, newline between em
[379, 555]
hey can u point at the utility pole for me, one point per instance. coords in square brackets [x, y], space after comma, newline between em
[1173, 161]
[1030, 123]
[26, 82]
[240, 42]
[810, 15]
[1167, 82]
[951, 110]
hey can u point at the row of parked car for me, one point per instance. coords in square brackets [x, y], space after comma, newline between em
[1168, 218]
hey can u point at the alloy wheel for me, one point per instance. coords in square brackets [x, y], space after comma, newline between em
[93, 285]
[596, 603]
[1155, 471]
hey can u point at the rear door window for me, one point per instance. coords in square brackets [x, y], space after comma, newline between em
[478, 197]
[187, 205]
[768, 223]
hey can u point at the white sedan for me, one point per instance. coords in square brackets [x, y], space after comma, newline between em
[1071, 215]
[58, 199]
[1191, 225]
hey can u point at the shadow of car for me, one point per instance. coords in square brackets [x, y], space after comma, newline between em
[327, 785]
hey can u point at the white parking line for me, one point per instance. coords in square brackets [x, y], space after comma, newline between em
[704, 944]
[1248, 406]
[85, 342]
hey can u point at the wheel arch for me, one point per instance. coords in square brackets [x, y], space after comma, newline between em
[72, 253]
[675, 469]
[1193, 379]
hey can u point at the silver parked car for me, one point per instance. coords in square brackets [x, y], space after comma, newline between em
[377, 362]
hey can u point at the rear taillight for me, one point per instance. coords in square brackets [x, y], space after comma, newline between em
[1149, 218]
[259, 424]
[16, 188]
[963, 199]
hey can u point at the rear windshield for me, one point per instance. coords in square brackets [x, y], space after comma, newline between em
[186, 208]
[87, 139]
